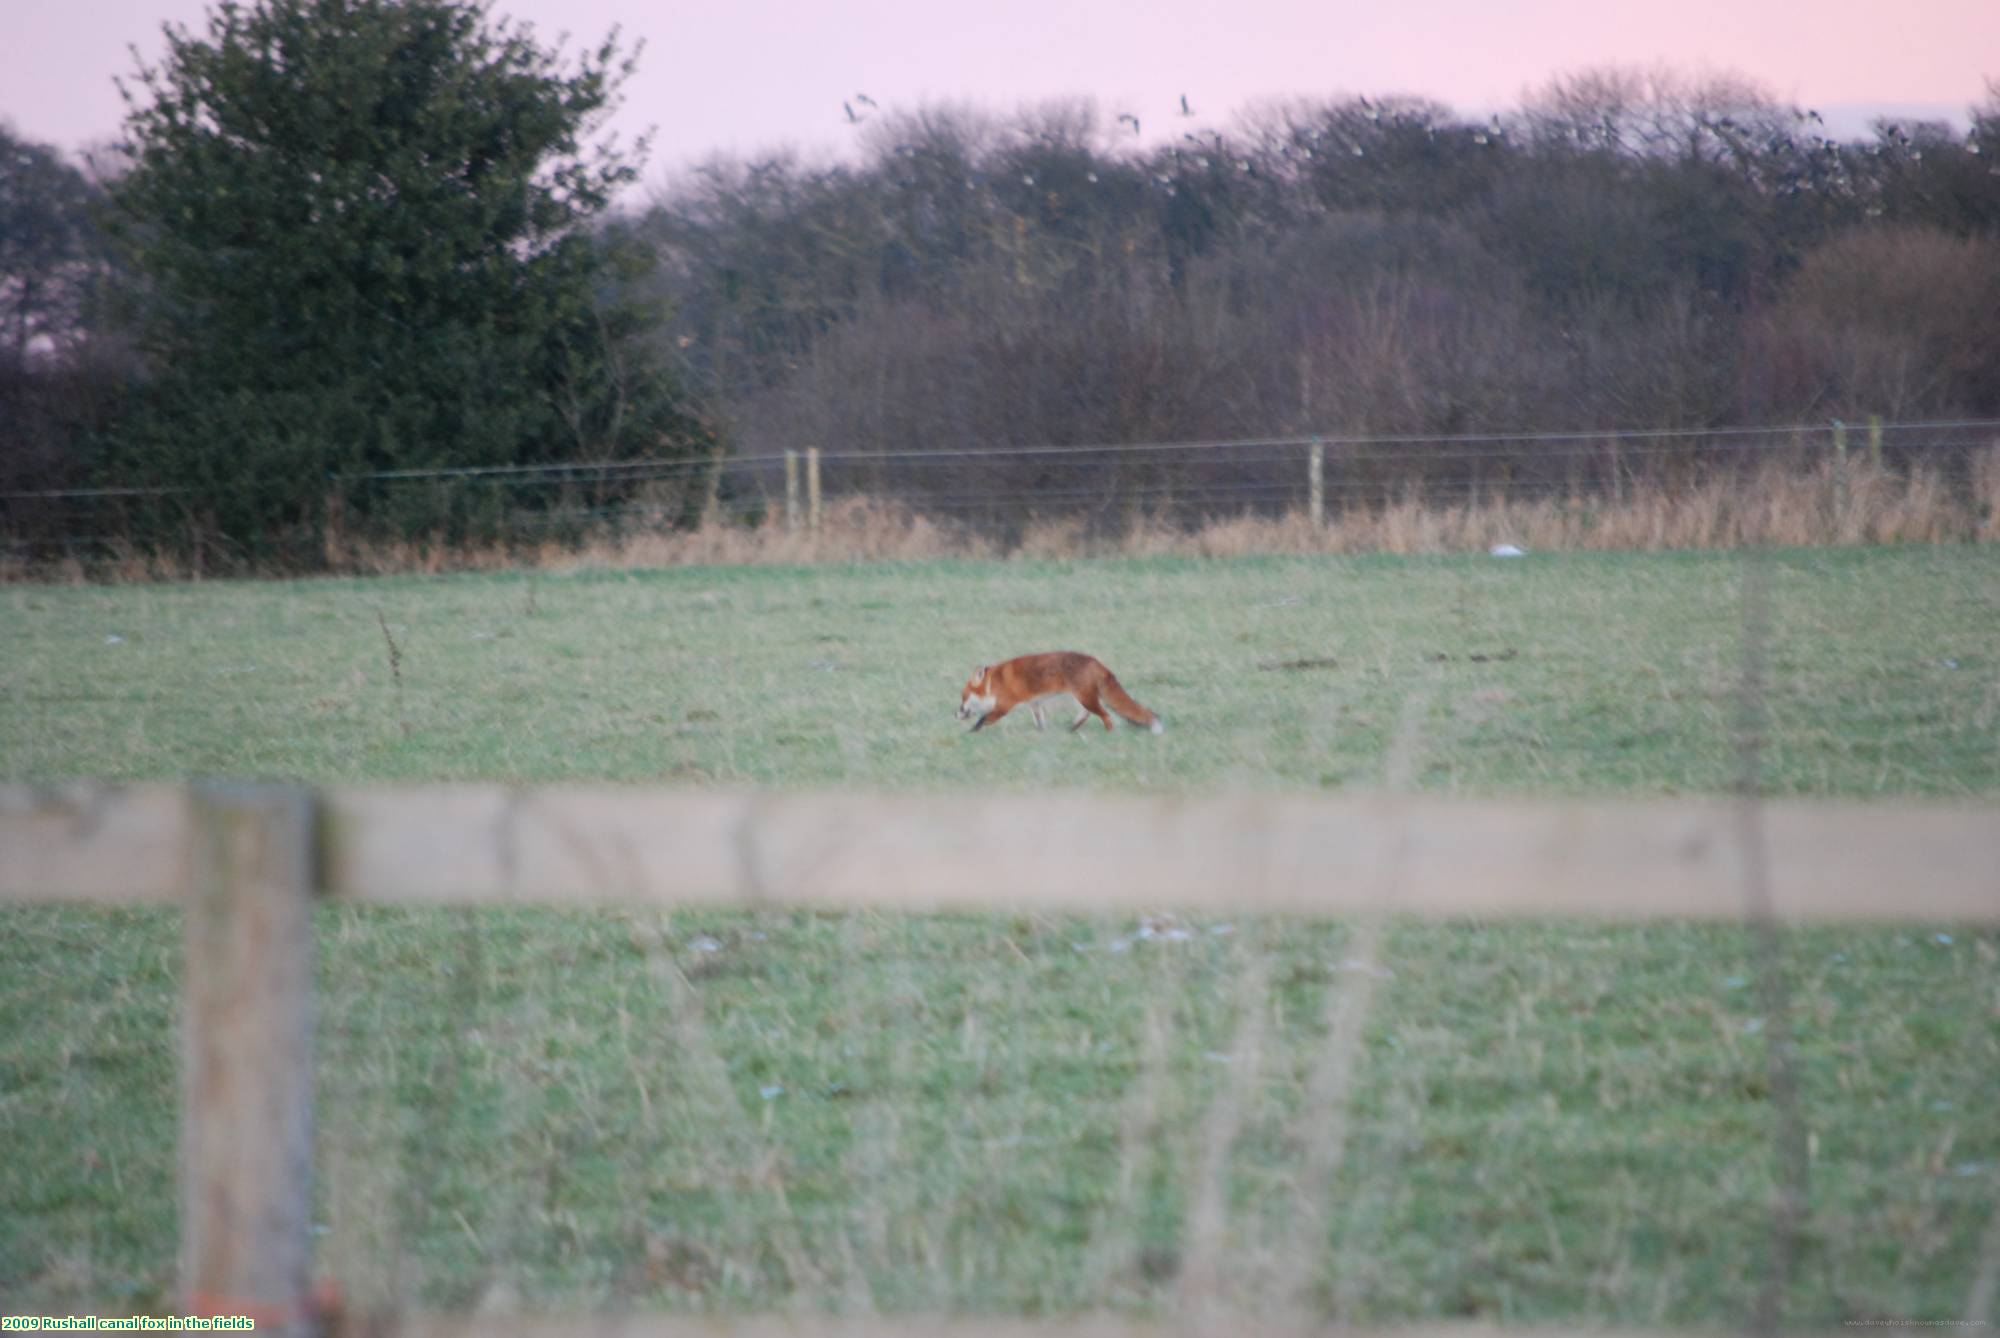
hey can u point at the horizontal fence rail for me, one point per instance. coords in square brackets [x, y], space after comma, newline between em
[469, 845]
[819, 1326]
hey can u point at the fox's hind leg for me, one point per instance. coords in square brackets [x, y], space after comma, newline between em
[1091, 707]
[1035, 709]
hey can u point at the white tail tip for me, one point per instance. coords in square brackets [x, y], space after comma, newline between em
[1159, 725]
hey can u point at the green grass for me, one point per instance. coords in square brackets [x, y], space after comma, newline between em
[1576, 674]
[1553, 1122]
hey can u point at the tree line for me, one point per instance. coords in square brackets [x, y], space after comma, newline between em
[354, 236]
[1628, 248]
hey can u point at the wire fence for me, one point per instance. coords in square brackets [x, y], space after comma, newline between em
[998, 489]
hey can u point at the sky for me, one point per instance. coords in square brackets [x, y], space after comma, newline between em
[741, 77]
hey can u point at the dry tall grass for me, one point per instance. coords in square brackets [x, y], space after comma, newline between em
[1831, 504]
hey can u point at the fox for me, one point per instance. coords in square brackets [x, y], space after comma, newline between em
[995, 689]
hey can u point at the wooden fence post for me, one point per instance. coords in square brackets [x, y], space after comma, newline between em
[1875, 441]
[1839, 475]
[812, 488]
[1316, 484]
[791, 489]
[246, 1070]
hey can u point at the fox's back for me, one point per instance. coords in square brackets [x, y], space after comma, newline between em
[1050, 671]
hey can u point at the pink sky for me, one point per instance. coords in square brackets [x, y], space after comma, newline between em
[745, 75]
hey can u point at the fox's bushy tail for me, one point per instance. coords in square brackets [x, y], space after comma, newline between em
[1119, 700]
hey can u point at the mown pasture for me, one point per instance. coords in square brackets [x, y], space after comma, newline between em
[1553, 1122]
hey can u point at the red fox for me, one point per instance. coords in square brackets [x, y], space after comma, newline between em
[996, 689]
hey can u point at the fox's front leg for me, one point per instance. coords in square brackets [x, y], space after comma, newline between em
[989, 718]
[1035, 709]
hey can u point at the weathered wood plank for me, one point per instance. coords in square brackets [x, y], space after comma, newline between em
[469, 845]
[827, 1326]
[113, 844]
[246, 1071]
[1426, 856]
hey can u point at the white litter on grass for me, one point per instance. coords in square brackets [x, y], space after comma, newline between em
[114, 640]
[706, 944]
[772, 1092]
[1942, 940]
[1163, 928]
[1507, 550]
[1366, 968]
[1220, 930]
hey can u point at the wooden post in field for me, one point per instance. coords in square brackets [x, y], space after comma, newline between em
[1316, 484]
[1839, 473]
[812, 488]
[713, 495]
[246, 1067]
[791, 489]
[1875, 441]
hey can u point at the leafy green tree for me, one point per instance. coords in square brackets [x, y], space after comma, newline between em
[364, 230]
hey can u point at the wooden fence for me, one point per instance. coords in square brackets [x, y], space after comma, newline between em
[246, 861]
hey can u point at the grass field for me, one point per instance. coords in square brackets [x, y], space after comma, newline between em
[1553, 1122]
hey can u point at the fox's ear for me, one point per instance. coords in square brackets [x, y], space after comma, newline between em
[979, 676]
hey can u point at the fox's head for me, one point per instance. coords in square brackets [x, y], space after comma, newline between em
[977, 697]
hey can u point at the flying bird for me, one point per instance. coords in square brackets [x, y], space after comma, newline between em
[864, 99]
[1128, 118]
[1185, 109]
[852, 119]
